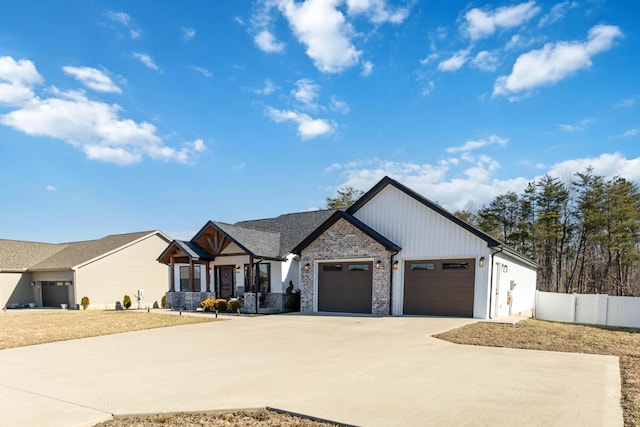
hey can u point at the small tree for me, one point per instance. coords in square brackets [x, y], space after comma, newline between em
[126, 302]
[84, 302]
[345, 197]
[163, 301]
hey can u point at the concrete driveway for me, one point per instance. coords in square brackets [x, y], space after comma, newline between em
[366, 371]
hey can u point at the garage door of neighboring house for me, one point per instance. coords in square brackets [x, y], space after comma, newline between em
[54, 294]
[345, 287]
[439, 287]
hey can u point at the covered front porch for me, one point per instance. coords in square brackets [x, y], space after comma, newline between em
[217, 263]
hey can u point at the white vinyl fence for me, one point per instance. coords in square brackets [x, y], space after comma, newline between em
[581, 308]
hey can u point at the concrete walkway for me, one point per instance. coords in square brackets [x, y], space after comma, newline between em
[367, 371]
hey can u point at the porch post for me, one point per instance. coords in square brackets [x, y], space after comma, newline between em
[191, 273]
[252, 285]
[208, 277]
[172, 276]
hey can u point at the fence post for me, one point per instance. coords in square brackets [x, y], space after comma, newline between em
[574, 307]
[535, 304]
[606, 310]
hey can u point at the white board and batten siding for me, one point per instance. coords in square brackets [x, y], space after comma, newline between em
[424, 234]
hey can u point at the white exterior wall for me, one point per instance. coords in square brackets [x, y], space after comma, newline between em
[291, 272]
[424, 234]
[523, 293]
[106, 280]
[203, 277]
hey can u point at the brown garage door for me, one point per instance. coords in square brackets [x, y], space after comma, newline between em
[345, 287]
[439, 287]
[54, 294]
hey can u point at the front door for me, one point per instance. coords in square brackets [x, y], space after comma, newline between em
[225, 281]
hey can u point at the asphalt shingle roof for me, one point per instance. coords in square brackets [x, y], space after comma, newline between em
[293, 228]
[44, 256]
[261, 243]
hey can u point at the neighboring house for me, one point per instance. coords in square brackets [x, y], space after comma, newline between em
[104, 270]
[392, 252]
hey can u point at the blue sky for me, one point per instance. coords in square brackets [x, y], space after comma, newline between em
[119, 116]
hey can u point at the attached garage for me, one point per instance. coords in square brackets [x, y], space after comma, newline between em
[54, 294]
[439, 287]
[345, 287]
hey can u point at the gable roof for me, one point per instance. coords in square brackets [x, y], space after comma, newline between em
[491, 242]
[257, 243]
[33, 256]
[16, 255]
[337, 215]
[366, 197]
[190, 249]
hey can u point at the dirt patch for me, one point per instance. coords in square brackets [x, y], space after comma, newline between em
[570, 338]
[28, 327]
[258, 418]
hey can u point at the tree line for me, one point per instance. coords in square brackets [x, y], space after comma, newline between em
[585, 233]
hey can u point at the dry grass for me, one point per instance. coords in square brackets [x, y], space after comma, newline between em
[28, 327]
[571, 338]
[259, 418]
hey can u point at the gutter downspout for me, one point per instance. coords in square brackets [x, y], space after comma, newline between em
[491, 315]
[391, 282]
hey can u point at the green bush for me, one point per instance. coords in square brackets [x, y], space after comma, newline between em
[293, 301]
[234, 305]
[126, 302]
[207, 304]
[84, 302]
[163, 301]
[220, 304]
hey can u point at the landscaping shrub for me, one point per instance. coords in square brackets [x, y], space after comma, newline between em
[84, 302]
[126, 302]
[163, 301]
[293, 298]
[207, 304]
[220, 304]
[234, 305]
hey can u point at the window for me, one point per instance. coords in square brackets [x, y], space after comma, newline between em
[332, 267]
[455, 265]
[358, 267]
[185, 283]
[422, 266]
[262, 277]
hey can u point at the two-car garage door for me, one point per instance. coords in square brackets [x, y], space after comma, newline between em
[439, 287]
[345, 287]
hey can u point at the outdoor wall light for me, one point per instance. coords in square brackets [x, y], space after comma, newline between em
[378, 265]
[395, 264]
[238, 269]
[505, 268]
[481, 262]
[307, 267]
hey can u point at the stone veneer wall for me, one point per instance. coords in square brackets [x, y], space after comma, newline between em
[344, 241]
[187, 300]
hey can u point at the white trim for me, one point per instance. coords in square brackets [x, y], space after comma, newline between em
[340, 260]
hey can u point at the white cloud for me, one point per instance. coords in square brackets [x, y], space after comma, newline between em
[322, 28]
[578, 127]
[202, 70]
[456, 184]
[482, 23]
[367, 69]
[238, 167]
[474, 144]
[92, 78]
[239, 20]
[125, 20]
[16, 80]
[557, 13]
[377, 11]
[455, 62]
[188, 33]
[341, 106]
[51, 187]
[631, 132]
[268, 88]
[485, 61]
[555, 61]
[307, 127]
[625, 103]
[267, 42]
[306, 92]
[198, 145]
[146, 60]
[94, 127]
[429, 58]
[428, 88]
